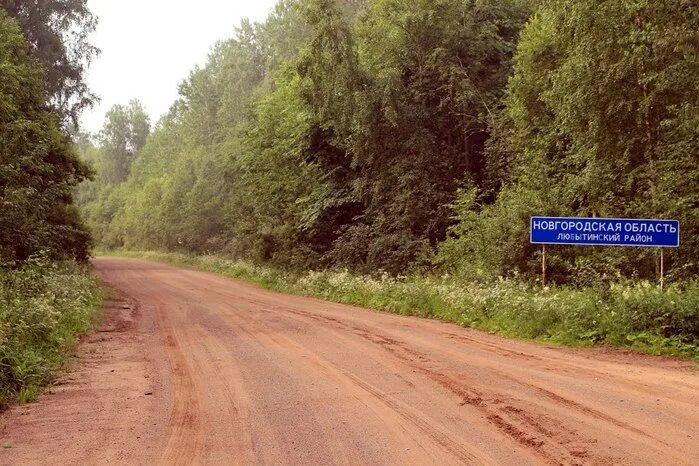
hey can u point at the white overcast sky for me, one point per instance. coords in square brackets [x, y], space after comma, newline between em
[149, 46]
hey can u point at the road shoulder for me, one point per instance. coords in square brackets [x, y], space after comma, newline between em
[110, 405]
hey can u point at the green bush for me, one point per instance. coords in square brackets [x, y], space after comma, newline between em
[43, 306]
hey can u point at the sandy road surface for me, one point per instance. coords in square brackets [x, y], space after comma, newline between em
[191, 367]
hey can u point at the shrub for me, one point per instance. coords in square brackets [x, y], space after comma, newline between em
[43, 306]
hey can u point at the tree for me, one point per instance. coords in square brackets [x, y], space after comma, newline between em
[435, 73]
[57, 34]
[272, 186]
[38, 168]
[124, 133]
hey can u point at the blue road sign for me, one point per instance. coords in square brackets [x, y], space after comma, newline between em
[605, 232]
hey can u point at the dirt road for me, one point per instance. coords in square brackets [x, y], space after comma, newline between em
[191, 367]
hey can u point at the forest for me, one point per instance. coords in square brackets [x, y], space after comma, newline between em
[387, 153]
[416, 136]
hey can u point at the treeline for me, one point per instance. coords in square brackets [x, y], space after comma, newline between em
[43, 53]
[46, 298]
[404, 135]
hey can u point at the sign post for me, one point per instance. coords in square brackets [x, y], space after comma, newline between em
[604, 232]
[543, 265]
[662, 270]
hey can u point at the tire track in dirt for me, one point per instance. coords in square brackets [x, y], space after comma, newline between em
[523, 427]
[233, 401]
[185, 433]
[510, 420]
[560, 364]
[284, 345]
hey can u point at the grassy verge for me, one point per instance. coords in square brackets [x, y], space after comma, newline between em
[44, 306]
[636, 315]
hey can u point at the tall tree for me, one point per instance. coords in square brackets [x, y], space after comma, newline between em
[276, 191]
[436, 71]
[124, 133]
[38, 168]
[330, 76]
[57, 33]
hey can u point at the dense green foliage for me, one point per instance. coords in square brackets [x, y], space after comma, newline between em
[601, 120]
[342, 145]
[631, 314]
[38, 167]
[57, 34]
[44, 303]
[43, 306]
[396, 135]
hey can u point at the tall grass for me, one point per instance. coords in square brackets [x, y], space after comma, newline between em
[43, 307]
[634, 314]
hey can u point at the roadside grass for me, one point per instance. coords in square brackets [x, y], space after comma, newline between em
[636, 315]
[44, 307]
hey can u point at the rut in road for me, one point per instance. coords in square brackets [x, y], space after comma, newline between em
[216, 371]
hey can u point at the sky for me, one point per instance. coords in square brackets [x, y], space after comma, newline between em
[150, 46]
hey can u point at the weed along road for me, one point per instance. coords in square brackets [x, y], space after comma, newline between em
[192, 367]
